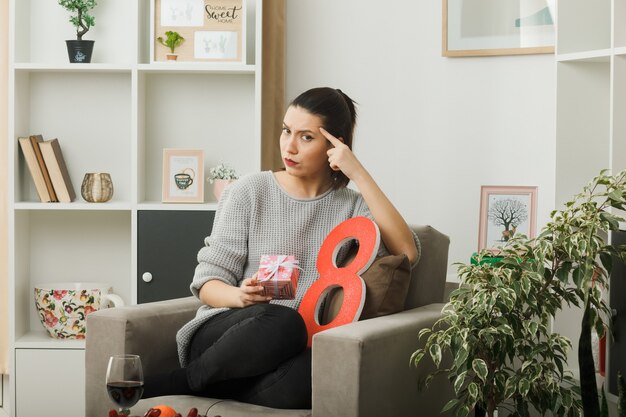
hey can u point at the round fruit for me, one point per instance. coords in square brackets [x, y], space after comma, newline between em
[166, 410]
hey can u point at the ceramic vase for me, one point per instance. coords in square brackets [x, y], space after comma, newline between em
[97, 187]
[218, 187]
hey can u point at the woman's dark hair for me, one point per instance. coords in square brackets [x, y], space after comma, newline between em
[338, 114]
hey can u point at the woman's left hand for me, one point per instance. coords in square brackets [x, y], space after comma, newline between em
[340, 157]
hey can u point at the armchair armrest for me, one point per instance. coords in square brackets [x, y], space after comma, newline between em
[362, 369]
[147, 330]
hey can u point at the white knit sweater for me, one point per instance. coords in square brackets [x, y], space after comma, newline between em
[255, 217]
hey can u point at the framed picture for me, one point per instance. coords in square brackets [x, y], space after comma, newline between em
[498, 27]
[213, 30]
[504, 212]
[183, 176]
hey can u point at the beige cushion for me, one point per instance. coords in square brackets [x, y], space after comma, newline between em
[387, 284]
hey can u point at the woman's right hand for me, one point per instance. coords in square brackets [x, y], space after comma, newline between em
[250, 292]
[216, 293]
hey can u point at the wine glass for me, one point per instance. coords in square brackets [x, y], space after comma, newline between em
[125, 380]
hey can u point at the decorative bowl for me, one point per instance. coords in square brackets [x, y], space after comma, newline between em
[62, 307]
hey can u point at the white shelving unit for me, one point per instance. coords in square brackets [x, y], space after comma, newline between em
[113, 115]
[591, 102]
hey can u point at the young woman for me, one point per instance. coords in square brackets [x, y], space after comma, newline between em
[245, 346]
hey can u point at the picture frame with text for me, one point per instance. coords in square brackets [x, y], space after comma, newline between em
[213, 30]
[183, 176]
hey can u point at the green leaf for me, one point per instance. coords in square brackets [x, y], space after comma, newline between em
[567, 398]
[559, 365]
[461, 357]
[525, 284]
[423, 332]
[577, 276]
[607, 261]
[480, 367]
[524, 387]
[532, 327]
[450, 405]
[506, 329]
[599, 327]
[616, 195]
[562, 274]
[462, 411]
[611, 219]
[472, 389]
[417, 356]
[435, 353]
[509, 388]
[458, 382]
[525, 365]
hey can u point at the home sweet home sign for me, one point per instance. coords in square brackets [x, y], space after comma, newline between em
[214, 30]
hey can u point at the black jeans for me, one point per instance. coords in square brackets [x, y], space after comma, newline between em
[255, 354]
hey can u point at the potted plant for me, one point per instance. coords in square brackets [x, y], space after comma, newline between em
[79, 50]
[220, 176]
[496, 327]
[172, 40]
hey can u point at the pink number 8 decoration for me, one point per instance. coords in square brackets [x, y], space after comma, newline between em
[366, 232]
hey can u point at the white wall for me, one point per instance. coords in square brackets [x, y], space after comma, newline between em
[432, 130]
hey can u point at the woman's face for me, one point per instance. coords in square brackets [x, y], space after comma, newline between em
[302, 145]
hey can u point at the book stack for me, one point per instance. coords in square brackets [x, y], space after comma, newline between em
[47, 168]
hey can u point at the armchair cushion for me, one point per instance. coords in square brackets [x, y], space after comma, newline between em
[386, 286]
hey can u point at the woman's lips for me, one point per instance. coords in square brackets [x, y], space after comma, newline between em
[290, 163]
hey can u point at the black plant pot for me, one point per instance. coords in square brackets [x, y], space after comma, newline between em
[79, 51]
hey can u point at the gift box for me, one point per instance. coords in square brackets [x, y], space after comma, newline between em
[278, 275]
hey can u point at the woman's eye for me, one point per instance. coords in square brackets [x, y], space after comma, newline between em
[286, 131]
[307, 138]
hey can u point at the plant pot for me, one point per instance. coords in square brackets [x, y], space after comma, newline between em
[218, 187]
[79, 52]
[171, 57]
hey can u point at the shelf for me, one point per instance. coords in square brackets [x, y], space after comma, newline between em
[619, 108]
[213, 112]
[583, 25]
[69, 246]
[36, 339]
[197, 67]
[619, 23]
[76, 205]
[38, 67]
[41, 28]
[68, 106]
[155, 205]
[582, 122]
[159, 67]
[113, 206]
[590, 103]
[598, 55]
[114, 115]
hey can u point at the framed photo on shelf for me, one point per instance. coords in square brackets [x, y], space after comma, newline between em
[183, 176]
[213, 30]
[498, 27]
[504, 212]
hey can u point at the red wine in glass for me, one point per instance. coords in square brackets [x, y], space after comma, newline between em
[124, 380]
[125, 393]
